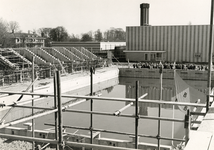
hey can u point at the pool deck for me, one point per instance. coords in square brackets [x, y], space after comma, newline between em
[203, 138]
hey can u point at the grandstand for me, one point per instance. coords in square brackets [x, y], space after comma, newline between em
[16, 63]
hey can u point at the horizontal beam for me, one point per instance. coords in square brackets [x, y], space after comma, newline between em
[117, 132]
[39, 115]
[103, 113]
[110, 99]
[124, 115]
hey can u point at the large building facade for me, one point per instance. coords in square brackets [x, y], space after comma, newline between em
[183, 43]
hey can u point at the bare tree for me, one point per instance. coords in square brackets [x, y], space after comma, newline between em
[3, 30]
[98, 35]
[13, 26]
[44, 32]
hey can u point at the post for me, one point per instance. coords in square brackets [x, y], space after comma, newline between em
[136, 114]
[33, 121]
[210, 49]
[56, 113]
[59, 110]
[187, 126]
[159, 105]
[91, 93]
[208, 103]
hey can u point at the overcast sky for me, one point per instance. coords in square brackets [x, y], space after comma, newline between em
[81, 16]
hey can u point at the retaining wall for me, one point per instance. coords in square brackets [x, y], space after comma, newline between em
[167, 73]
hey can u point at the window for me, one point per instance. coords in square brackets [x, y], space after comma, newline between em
[146, 56]
[159, 55]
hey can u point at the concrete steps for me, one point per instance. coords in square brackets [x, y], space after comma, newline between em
[29, 55]
[20, 56]
[67, 53]
[87, 52]
[6, 62]
[56, 53]
[78, 53]
[44, 55]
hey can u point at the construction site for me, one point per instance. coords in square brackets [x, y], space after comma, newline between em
[16, 63]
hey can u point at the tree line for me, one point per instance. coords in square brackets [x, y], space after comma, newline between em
[60, 34]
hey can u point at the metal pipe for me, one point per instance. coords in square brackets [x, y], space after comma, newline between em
[111, 99]
[187, 126]
[118, 112]
[28, 118]
[104, 113]
[144, 95]
[34, 107]
[36, 116]
[210, 49]
[59, 109]
[207, 103]
[33, 121]
[159, 105]
[91, 104]
[29, 100]
[136, 113]
[117, 132]
[55, 114]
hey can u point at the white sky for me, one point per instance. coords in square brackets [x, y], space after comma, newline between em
[81, 16]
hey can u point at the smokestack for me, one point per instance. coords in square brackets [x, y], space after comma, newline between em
[144, 14]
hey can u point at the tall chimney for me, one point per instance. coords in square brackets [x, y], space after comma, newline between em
[144, 14]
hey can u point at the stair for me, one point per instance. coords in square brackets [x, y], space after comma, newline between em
[56, 53]
[87, 52]
[20, 56]
[78, 53]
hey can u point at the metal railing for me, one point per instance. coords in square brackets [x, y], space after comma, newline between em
[58, 109]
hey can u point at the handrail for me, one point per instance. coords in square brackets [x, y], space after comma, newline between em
[108, 98]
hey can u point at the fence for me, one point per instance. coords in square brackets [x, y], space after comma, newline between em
[58, 109]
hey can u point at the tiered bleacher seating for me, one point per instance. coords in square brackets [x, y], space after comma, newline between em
[87, 52]
[29, 55]
[26, 61]
[67, 53]
[44, 55]
[57, 54]
[6, 63]
[78, 53]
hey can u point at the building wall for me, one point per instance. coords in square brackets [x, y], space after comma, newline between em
[187, 43]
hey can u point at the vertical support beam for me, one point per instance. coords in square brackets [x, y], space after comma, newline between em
[91, 105]
[59, 109]
[208, 103]
[33, 121]
[187, 126]
[56, 113]
[210, 49]
[159, 105]
[136, 114]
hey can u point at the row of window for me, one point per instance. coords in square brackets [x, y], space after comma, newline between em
[29, 40]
